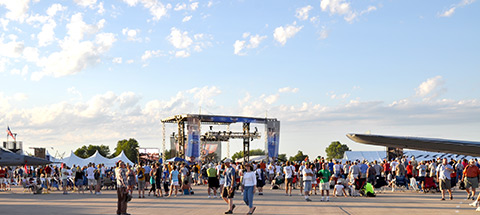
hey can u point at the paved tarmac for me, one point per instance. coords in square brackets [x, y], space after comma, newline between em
[272, 202]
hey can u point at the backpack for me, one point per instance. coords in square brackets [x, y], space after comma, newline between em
[96, 174]
[140, 174]
[261, 175]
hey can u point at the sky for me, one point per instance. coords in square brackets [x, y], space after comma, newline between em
[83, 72]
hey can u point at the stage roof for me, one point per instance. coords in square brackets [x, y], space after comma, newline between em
[217, 119]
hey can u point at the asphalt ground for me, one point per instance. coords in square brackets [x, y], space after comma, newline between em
[275, 202]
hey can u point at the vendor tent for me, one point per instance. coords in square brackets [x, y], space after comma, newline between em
[97, 158]
[123, 158]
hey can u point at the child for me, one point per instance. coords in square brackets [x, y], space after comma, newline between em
[186, 188]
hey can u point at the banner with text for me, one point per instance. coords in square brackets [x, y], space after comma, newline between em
[193, 138]
[273, 138]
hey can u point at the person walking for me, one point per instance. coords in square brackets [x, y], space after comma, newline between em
[212, 181]
[228, 191]
[141, 180]
[443, 176]
[260, 179]
[122, 192]
[288, 172]
[471, 174]
[307, 180]
[249, 183]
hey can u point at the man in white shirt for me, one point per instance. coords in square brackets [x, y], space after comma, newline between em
[288, 171]
[91, 177]
[307, 180]
[443, 175]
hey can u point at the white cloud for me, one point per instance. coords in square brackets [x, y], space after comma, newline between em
[193, 6]
[288, 90]
[283, 33]
[186, 18]
[22, 72]
[204, 95]
[17, 9]
[86, 3]
[451, 10]
[152, 53]
[11, 49]
[253, 43]
[54, 8]
[179, 39]
[182, 53]
[20, 96]
[302, 13]
[156, 8]
[185, 44]
[47, 35]
[117, 60]
[179, 7]
[131, 34]
[431, 88]
[238, 46]
[323, 33]
[448, 12]
[341, 7]
[76, 54]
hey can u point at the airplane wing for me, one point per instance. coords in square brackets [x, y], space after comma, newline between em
[427, 144]
[8, 158]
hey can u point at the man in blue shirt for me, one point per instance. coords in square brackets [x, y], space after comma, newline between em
[228, 190]
[363, 169]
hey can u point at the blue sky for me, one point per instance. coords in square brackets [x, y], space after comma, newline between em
[94, 72]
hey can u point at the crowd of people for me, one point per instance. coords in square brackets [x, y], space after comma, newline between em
[315, 177]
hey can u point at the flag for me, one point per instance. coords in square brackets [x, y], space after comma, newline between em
[10, 133]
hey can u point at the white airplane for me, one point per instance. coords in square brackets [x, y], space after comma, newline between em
[419, 143]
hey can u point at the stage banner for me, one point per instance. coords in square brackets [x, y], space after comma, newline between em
[273, 138]
[193, 138]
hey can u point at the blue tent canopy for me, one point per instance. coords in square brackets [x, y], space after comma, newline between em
[175, 159]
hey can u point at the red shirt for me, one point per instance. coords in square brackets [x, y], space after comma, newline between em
[386, 167]
[2, 173]
[409, 169]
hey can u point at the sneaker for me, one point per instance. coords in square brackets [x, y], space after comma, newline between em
[321, 199]
[214, 197]
[478, 209]
[209, 197]
[328, 199]
[308, 200]
[474, 204]
[468, 196]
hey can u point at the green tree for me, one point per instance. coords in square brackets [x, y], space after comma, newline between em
[168, 154]
[130, 147]
[253, 152]
[87, 151]
[298, 157]
[336, 150]
[282, 157]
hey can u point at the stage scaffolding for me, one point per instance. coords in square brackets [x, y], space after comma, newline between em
[272, 132]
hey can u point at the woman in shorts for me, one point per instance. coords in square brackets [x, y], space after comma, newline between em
[174, 180]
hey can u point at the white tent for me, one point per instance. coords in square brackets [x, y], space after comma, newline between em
[73, 159]
[97, 158]
[123, 158]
